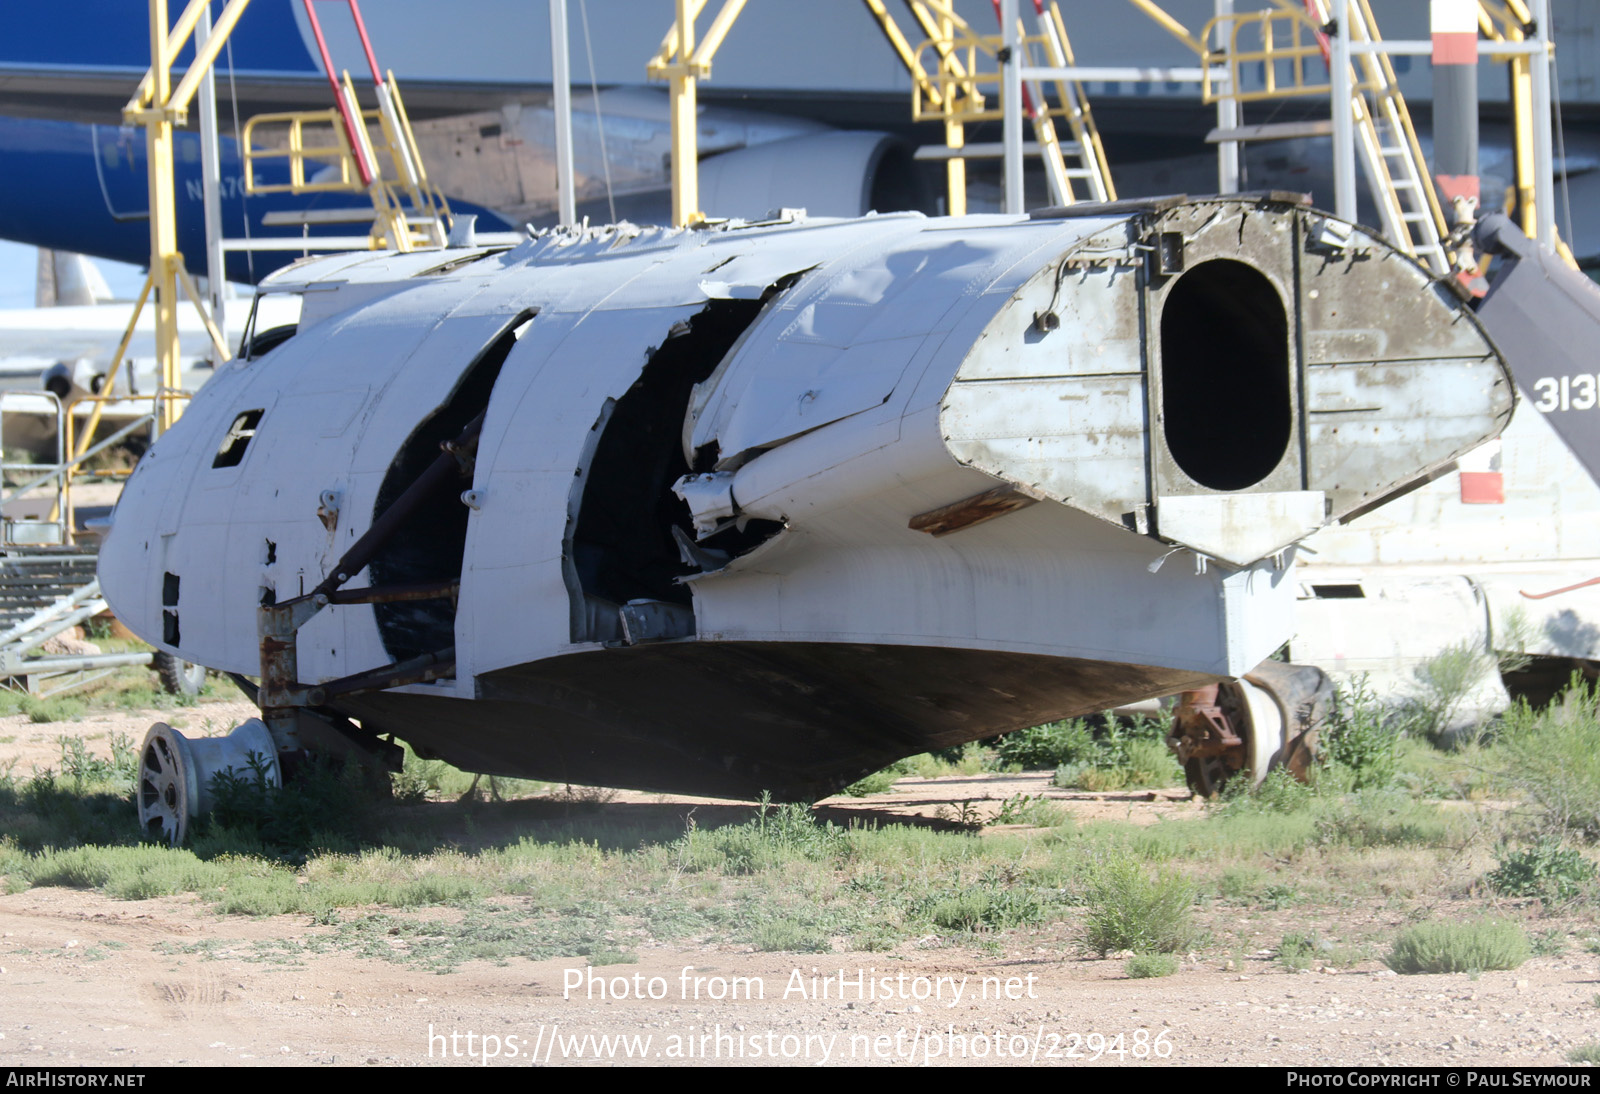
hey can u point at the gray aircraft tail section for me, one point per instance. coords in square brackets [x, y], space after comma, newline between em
[1545, 318]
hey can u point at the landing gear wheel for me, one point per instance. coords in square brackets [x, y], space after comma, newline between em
[1206, 775]
[175, 774]
[1262, 730]
[178, 677]
[1268, 719]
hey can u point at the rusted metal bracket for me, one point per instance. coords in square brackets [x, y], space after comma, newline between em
[279, 624]
[390, 594]
[1202, 728]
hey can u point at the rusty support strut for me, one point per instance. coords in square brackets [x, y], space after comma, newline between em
[281, 696]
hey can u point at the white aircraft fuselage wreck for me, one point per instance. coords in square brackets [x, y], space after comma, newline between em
[765, 506]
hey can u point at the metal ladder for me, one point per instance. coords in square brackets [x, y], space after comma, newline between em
[408, 210]
[1397, 174]
[1285, 41]
[1050, 38]
[953, 68]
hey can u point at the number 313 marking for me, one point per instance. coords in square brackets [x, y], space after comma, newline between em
[1566, 393]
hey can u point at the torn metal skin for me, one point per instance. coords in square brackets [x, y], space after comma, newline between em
[604, 521]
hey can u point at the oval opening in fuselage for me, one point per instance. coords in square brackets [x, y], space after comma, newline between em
[1225, 394]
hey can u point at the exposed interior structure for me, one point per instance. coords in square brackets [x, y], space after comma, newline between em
[1225, 396]
[430, 545]
[634, 539]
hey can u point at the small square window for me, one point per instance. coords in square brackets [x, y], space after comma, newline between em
[231, 451]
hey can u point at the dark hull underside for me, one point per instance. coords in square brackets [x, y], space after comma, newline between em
[734, 719]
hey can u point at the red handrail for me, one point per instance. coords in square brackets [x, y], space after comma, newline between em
[353, 126]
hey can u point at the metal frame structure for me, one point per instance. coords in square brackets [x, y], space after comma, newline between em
[949, 86]
[683, 64]
[158, 104]
[1518, 33]
[408, 210]
[1368, 112]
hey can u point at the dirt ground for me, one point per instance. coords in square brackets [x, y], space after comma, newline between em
[88, 980]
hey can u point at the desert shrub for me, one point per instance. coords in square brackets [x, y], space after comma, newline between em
[325, 806]
[1362, 737]
[1443, 683]
[59, 709]
[608, 956]
[1124, 755]
[1475, 946]
[981, 907]
[1545, 870]
[1033, 809]
[1142, 966]
[1279, 792]
[776, 836]
[1552, 757]
[879, 782]
[1049, 745]
[1298, 950]
[788, 935]
[1132, 908]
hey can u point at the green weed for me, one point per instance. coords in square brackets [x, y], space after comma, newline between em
[777, 836]
[879, 782]
[1142, 966]
[1301, 950]
[988, 907]
[1242, 884]
[1132, 908]
[1514, 632]
[1552, 758]
[789, 936]
[1443, 684]
[612, 957]
[1361, 738]
[1476, 946]
[1048, 745]
[1545, 870]
[1031, 809]
[1114, 757]
[61, 709]
[1550, 943]
[78, 763]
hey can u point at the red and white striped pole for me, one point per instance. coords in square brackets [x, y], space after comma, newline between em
[1455, 104]
[1455, 168]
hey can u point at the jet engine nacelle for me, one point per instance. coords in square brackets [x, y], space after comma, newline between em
[764, 506]
[844, 174]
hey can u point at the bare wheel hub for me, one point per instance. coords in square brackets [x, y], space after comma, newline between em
[176, 773]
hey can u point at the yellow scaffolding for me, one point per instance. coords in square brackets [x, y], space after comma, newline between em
[409, 212]
[1282, 46]
[683, 64]
[1507, 21]
[955, 75]
[158, 105]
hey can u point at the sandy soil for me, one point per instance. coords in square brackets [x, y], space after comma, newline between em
[85, 979]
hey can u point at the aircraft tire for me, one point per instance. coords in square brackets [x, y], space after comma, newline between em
[178, 677]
